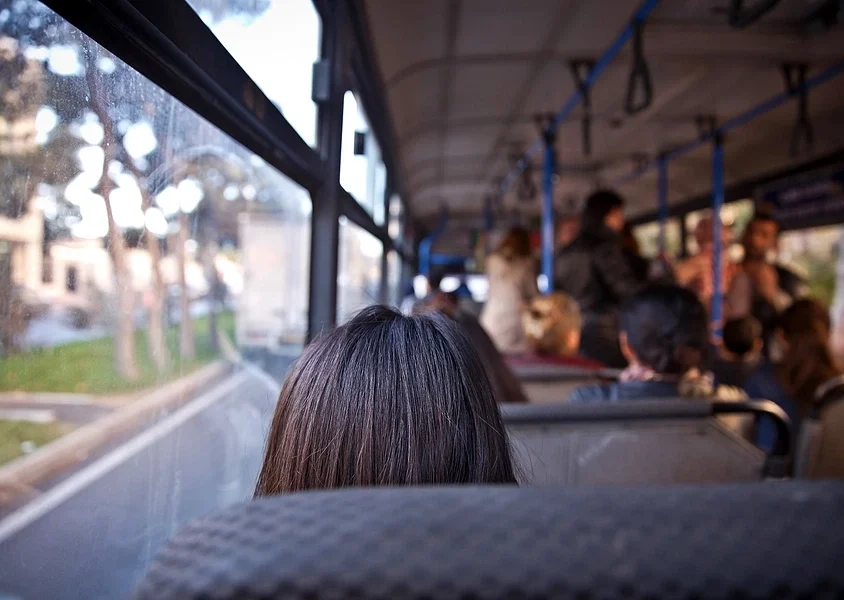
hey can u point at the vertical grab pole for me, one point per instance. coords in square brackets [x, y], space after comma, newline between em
[548, 169]
[717, 203]
[662, 199]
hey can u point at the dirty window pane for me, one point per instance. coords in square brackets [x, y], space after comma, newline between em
[276, 42]
[648, 237]
[359, 270]
[362, 171]
[141, 249]
[394, 291]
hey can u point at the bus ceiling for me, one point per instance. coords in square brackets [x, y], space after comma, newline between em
[626, 86]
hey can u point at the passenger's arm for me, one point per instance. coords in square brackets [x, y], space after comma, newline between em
[616, 272]
[686, 272]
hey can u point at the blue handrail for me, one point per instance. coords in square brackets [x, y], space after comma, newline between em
[427, 243]
[639, 17]
[742, 119]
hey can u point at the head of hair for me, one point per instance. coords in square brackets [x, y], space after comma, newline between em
[505, 385]
[552, 324]
[598, 206]
[763, 216]
[667, 328]
[515, 244]
[742, 335]
[629, 241]
[808, 360]
[386, 400]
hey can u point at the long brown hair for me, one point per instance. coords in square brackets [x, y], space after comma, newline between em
[808, 360]
[386, 400]
[515, 245]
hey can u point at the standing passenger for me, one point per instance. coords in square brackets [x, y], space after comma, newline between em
[762, 289]
[696, 272]
[512, 284]
[596, 272]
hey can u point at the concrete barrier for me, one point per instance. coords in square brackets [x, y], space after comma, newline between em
[22, 475]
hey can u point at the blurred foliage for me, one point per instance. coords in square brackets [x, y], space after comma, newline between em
[88, 367]
[15, 433]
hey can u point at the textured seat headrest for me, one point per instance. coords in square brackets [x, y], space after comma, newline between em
[778, 539]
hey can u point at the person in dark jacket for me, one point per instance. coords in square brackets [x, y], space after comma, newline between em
[597, 273]
[665, 337]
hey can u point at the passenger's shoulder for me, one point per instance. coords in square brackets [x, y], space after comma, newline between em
[592, 394]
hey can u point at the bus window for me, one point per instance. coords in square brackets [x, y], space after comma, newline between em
[358, 271]
[288, 31]
[734, 215]
[168, 248]
[648, 237]
[362, 170]
[394, 290]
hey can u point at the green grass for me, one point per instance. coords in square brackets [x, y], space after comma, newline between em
[89, 367]
[12, 433]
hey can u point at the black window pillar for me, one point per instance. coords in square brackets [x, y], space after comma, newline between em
[384, 291]
[325, 226]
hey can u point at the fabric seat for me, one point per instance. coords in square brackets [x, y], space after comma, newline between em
[640, 442]
[820, 441]
[764, 540]
[546, 383]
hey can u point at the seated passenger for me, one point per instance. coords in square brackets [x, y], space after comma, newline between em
[505, 384]
[552, 329]
[740, 351]
[665, 338]
[386, 400]
[803, 362]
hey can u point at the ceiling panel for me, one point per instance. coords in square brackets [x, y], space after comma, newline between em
[699, 65]
[414, 100]
[406, 32]
[482, 90]
[499, 26]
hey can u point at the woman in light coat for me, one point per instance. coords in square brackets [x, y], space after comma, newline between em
[511, 272]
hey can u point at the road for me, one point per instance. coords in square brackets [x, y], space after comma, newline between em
[94, 534]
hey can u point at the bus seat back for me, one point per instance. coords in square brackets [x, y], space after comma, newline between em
[634, 443]
[820, 443]
[763, 540]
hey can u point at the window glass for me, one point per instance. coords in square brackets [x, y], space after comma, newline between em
[648, 237]
[394, 291]
[276, 42]
[734, 215]
[139, 247]
[359, 270]
[395, 217]
[362, 170]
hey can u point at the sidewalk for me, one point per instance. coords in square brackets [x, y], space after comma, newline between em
[99, 419]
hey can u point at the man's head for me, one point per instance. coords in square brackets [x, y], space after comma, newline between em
[760, 237]
[603, 209]
[704, 237]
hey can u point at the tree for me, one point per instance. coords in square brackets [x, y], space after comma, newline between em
[125, 336]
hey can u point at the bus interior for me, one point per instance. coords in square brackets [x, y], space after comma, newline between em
[197, 189]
